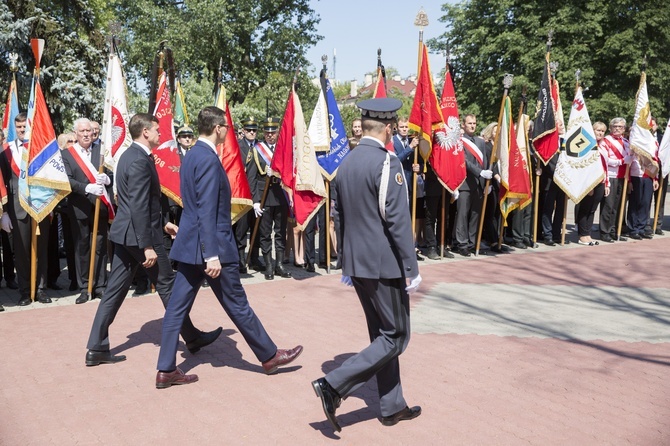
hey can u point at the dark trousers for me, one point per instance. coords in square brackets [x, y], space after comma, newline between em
[228, 290]
[610, 208]
[585, 211]
[386, 306]
[469, 206]
[124, 263]
[433, 226]
[318, 221]
[661, 214]
[273, 217]
[53, 259]
[68, 245]
[553, 210]
[7, 258]
[21, 235]
[82, 234]
[639, 204]
[521, 224]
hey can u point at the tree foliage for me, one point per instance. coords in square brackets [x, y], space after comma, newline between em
[605, 39]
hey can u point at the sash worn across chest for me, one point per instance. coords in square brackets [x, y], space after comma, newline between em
[87, 168]
[474, 150]
[13, 153]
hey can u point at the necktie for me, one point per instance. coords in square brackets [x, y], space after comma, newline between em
[404, 142]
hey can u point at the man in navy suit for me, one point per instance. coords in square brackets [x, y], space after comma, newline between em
[206, 250]
[137, 234]
[379, 261]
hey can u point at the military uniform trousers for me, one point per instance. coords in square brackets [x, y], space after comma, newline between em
[277, 217]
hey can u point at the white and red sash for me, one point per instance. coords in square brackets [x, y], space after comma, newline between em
[265, 152]
[618, 148]
[87, 168]
[474, 150]
[13, 153]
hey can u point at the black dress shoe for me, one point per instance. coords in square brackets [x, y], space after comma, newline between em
[658, 231]
[2, 308]
[323, 265]
[636, 236]
[418, 257]
[408, 413]
[330, 400]
[432, 254]
[11, 284]
[83, 298]
[622, 239]
[205, 284]
[24, 301]
[558, 242]
[549, 242]
[203, 340]
[42, 297]
[96, 358]
[298, 265]
[447, 254]
[243, 269]
[465, 252]
[520, 245]
[74, 286]
[606, 239]
[500, 250]
[310, 268]
[140, 291]
[647, 236]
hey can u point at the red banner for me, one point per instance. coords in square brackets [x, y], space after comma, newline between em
[231, 159]
[166, 154]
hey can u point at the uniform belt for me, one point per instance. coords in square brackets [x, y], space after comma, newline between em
[274, 180]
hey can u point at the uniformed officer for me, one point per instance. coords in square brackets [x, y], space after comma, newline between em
[248, 220]
[274, 213]
[378, 259]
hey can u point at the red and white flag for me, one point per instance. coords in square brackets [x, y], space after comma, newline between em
[642, 141]
[115, 136]
[166, 155]
[447, 157]
[664, 151]
[294, 161]
[514, 179]
[425, 115]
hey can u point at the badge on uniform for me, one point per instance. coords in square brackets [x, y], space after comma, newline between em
[398, 178]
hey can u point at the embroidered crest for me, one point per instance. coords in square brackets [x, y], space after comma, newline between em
[398, 178]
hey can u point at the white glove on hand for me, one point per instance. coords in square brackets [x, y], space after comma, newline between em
[486, 174]
[455, 194]
[347, 281]
[102, 179]
[270, 172]
[413, 284]
[628, 159]
[95, 189]
[6, 223]
[257, 210]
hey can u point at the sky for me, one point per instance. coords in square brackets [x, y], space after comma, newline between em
[356, 28]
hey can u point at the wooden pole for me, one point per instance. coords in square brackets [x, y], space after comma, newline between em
[94, 235]
[33, 258]
[326, 227]
[658, 203]
[622, 206]
[536, 206]
[258, 219]
[444, 202]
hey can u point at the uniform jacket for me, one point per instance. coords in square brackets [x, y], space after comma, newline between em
[256, 173]
[205, 229]
[139, 219]
[13, 206]
[473, 179]
[80, 203]
[371, 247]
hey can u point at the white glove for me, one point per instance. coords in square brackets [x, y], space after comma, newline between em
[102, 179]
[628, 159]
[455, 194]
[346, 280]
[95, 189]
[413, 284]
[257, 210]
[270, 171]
[6, 223]
[486, 174]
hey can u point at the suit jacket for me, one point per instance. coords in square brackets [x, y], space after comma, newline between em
[473, 179]
[256, 174]
[81, 204]
[205, 229]
[139, 220]
[13, 206]
[371, 247]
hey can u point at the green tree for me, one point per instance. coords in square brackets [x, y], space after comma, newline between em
[606, 40]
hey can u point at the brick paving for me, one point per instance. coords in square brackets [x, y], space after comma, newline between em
[538, 347]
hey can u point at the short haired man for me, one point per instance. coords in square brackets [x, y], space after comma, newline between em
[379, 261]
[205, 250]
[137, 235]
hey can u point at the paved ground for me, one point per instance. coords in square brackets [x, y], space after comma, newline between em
[554, 346]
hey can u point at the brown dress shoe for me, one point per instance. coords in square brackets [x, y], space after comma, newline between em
[176, 377]
[408, 413]
[282, 357]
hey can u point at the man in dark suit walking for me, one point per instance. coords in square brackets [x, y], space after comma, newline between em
[379, 260]
[137, 234]
[82, 161]
[206, 250]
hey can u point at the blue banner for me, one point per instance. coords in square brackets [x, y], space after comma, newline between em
[339, 142]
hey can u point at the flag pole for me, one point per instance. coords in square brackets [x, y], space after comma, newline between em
[658, 201]
[564, 225]
[34, 229]
[326, 220]
[507, 84]
[444, 190]
[421, 21]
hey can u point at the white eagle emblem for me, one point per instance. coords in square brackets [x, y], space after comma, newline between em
[449, 136]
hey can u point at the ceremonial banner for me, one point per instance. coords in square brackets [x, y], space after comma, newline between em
[545, 133]
[43, 182]
[231, 159]
[319, 127]
[425, 115]
[579, 168]
[664, 151]
[166, 154]
[11, 110]
[380, 84]
[514, 180]
[339, 143]
[295, 163]
[642, 141]
[447, 157]
[115, 136]
[180, 113]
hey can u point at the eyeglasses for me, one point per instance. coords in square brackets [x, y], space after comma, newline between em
[223, 125]
[250, 130]
[70, 141]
